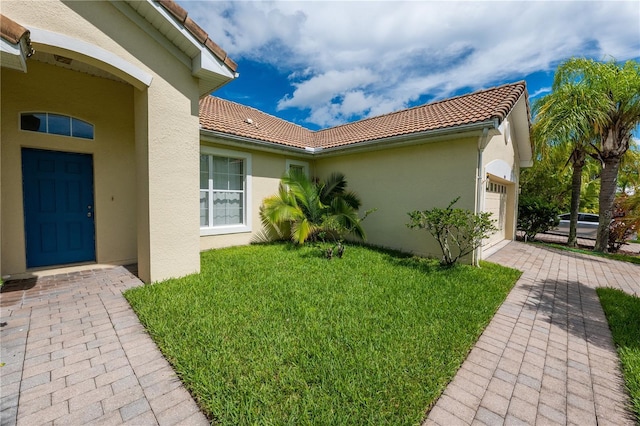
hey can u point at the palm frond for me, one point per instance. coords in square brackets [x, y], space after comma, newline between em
[333, 186]
[303, 209]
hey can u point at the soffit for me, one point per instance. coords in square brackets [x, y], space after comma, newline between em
[165, 27]
[74, 65]
[189, 37]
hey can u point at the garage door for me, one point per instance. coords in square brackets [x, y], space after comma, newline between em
[495, 202]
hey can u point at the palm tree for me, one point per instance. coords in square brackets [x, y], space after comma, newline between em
[304, 210]
[613, 95]
[561, 123]
[629, 174]
[629, 184]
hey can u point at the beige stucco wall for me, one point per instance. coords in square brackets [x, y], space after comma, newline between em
[396, 181]
[266, 171]
[501, 148]
[165, 121]
[108, 105]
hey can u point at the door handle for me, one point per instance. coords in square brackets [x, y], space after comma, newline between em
[89, 214]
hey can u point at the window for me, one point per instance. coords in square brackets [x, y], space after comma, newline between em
[298, 166]
[496, 187]
[586, 217]
[56, 124]
[225, 178]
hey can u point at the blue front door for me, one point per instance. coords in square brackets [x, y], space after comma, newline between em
[58, 207]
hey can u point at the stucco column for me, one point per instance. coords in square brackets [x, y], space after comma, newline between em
[1, 191]
[167, 151]
[140, 103]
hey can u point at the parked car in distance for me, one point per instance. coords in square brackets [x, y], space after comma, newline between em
[587, 226]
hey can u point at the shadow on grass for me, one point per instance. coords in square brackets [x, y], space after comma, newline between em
[423, 265]
[623, 313]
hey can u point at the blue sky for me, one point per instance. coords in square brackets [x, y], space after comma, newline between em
[323, 63]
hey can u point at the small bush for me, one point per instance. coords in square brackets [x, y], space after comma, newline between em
[536, 216]
[454, 227]
[623, 226]
[311, 210]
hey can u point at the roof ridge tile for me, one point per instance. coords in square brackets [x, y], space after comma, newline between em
[11, 30]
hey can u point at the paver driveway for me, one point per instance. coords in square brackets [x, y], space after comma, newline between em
[76, 354]
[547, 357]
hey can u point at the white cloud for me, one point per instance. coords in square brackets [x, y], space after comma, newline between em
[368, 57]
[324, 87]
[540, 91]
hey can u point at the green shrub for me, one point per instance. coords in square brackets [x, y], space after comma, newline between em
[624, 225]
[459, 228]
[536, 216]
[311, 210]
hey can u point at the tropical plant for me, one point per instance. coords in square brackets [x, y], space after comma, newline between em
[536, 215]
[547, 178]
[304, 210]
[560, 123]
[460, 228]
[629, 175]
[625, 223]
[611, 93]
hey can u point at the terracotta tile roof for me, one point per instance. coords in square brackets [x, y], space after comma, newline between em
[229, 117]
[473, 108]
[12, 31]
[201, 35]
[486, 105]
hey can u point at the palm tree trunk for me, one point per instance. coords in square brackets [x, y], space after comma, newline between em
[608, 186]
[577, 158]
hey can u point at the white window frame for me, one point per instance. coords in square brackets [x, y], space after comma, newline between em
[47, 131]
[303, 164]
[247, 210]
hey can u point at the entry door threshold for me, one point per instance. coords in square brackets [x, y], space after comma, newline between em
[494, 248]
[57, 270]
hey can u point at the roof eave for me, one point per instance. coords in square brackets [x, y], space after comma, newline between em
[15, 45]
[212, 71]
[228, 139]
[427, 136]
[522, 131]
[434, 135]
[12, 56]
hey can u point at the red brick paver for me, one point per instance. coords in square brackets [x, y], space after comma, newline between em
[75, 353]
[547, 357]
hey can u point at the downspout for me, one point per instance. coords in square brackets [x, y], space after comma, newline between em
[483, 141]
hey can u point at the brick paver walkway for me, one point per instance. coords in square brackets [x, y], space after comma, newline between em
[75, 353]
[547, 357]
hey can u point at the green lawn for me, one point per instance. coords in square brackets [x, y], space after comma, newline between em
[623, 314]
[273, 334]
